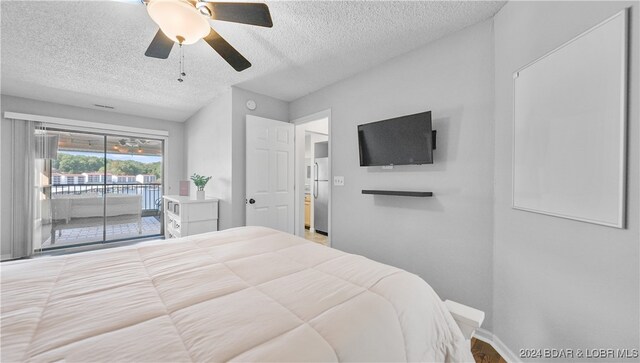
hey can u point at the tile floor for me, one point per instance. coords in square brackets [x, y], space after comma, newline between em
[150, 226]
[316, 237]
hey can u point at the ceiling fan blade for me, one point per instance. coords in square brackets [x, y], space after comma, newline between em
[245, 13]
[160, 46]
[226, 51]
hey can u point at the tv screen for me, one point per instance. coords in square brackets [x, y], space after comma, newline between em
[402, 140]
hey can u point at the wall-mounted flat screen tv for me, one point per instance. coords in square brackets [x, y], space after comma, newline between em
[406, 140]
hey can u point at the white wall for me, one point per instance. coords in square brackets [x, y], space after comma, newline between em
[560, 283]
[447, 239]
[175, 159]
[319, 126]
[207, 139]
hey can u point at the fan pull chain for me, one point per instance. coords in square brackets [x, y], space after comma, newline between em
[182, 73]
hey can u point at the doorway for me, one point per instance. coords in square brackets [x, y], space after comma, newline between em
[313, 176]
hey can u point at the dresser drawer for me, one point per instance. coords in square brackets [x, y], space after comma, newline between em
[200, 212]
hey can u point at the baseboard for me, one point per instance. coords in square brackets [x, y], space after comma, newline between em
[497, 344]
[5, 257]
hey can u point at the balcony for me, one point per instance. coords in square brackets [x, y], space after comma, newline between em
[78, 213]
[89, 235]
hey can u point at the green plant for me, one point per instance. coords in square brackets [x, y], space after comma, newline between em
[200, 181]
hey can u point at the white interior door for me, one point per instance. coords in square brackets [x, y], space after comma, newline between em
[269, 173]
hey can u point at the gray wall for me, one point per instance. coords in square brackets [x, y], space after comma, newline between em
[560, 283]
[175, 159]
[215, 145]
[447, 239]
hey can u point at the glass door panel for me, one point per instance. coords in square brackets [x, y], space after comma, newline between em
[72, 200]
[134, 187]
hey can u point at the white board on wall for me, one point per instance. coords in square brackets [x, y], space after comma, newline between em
[570, 128]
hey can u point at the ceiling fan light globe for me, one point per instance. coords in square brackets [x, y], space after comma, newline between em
[179, 20]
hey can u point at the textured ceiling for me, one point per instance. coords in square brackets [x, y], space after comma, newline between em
[92, 52]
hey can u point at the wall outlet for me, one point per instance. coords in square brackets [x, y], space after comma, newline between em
[338, 181]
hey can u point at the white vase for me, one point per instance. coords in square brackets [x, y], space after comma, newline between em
[200, 195]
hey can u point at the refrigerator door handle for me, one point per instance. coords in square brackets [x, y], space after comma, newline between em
[315, 178]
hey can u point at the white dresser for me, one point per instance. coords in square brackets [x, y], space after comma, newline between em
[184, 216]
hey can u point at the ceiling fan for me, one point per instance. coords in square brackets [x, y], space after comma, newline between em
[186, 22]
[132, 142]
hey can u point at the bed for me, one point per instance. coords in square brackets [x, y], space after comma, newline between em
[244, 294]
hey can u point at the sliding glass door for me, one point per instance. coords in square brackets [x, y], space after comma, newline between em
[101, 188]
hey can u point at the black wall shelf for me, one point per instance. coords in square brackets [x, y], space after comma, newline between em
[399, 193]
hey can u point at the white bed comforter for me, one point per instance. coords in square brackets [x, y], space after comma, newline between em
[246, 294]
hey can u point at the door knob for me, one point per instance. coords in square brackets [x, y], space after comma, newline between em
[252, 201]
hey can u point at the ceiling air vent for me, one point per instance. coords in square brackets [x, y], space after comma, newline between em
[104, 106]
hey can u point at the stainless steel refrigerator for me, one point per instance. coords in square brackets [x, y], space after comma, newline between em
[321, 187]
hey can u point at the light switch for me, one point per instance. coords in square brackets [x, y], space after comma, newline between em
[338, 181]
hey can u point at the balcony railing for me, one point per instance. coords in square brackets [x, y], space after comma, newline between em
[151, 192]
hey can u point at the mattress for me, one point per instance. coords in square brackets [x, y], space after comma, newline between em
[245, 294]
